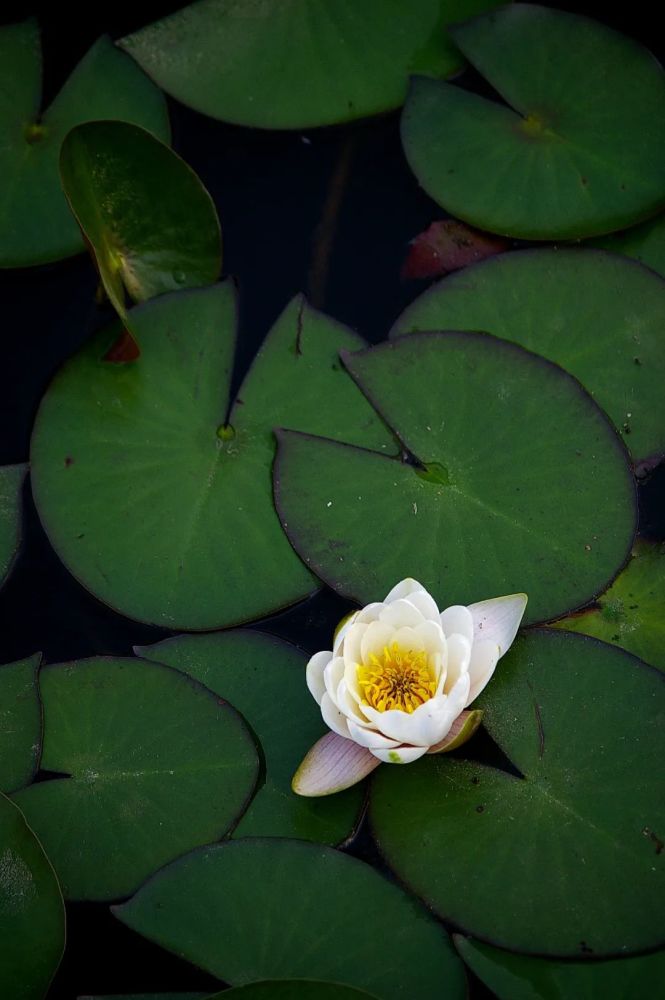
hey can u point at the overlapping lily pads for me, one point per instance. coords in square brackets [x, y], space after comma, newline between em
[150, 764]
[11, 484]
[264, 678]
[36, 224]
[579, 147]
[520, 977]
[121, 183]
[631, 613]
[32, 915]
[597, 315]
[341, 916]
[20, 723]
[320, 63]
[645, 243]
[568, 859]
[498, 435]
[153, 502]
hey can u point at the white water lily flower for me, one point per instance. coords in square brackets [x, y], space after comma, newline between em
[398, 680]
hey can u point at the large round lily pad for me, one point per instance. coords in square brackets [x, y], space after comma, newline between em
[283, 909]
[264, 678]
[299, 63]
[521, 977]
[630, 613]
[150, 765]
[11, 485]
[577, 150]
[284, 989]
[645, 243]
[150, 499]
[148, 219]
[568, 859]
[519, 483]
[597, 315]
[32, 915]
[20, 723]
[36, 224]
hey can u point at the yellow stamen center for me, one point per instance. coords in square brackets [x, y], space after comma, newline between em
[396, 678]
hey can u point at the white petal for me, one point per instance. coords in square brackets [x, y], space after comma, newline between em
[332, 675]
[352, 641]
[376, 636]
[461, 730]
[370, 613]
[401, 755]
[366, 737]
[332, 765]
[403, 589]
[333, 718]
[484, 658]
[349, 704]
[458, 697]
[457, 620]
[425, 604]
[459, 655]
[341, 631]
[499, 619]
[408, 638]
[401, 612]
[314, 674]
[427, 725]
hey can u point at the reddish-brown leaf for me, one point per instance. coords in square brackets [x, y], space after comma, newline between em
[124, 349]
[447, 246]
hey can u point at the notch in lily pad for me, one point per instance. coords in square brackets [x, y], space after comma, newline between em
[150, 224]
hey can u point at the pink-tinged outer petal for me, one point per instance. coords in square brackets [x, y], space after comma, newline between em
[366, 737]
[314, 674]
[498, 620]
[484, 658]
[332, 765]
[333, 718]
[400, 755]
[403, 589]
[457, 620]
[461, 730]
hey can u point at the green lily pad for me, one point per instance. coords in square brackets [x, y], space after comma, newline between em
[155, 504]
[311, 913]
[20, 723]
[566, 860]
[120, 182]
[264, 678]
[155, 996]
[519, 484]
[11, 485]
[32, 914]
[645, 243]
[578, 149]
[151, 764]
[597, 315]
[36, 225]
[630, 613]
[520, 977]
[321, 61]
[285, 989]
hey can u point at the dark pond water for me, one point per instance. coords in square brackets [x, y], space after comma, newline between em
[329, 212]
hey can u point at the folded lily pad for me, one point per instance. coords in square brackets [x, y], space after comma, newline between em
[32, 914]
[11, 485]
[645, 243]
[630, 613]
[150, 764]
[577, 150]
[36, 225]
[321, 61]
[520, 977]
[155, 500]
[20, 723]
[516, 481]
[565, 860]
[264, 678]
[271, 908]
[597, 315]
[146, 216]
